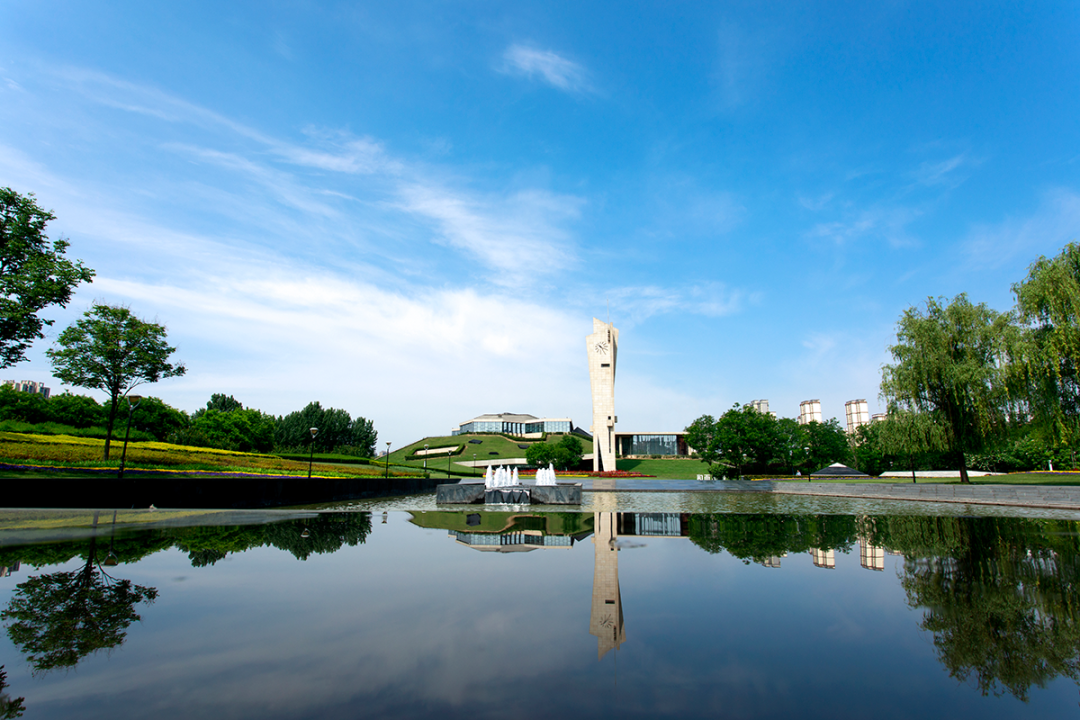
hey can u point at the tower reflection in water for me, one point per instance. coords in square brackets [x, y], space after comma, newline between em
[510, 532]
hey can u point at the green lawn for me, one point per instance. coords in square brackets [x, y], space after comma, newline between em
[668, 468]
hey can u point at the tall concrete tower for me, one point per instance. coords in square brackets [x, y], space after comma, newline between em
[603, 347]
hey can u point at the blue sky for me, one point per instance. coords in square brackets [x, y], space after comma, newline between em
[413, 210]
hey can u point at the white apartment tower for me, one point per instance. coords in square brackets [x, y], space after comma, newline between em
[858, 414]
[809, 411]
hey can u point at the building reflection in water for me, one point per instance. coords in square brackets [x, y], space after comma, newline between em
[824, 558]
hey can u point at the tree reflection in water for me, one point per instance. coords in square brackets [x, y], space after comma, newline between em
[999, 595]
[9, 707]
[57, 619]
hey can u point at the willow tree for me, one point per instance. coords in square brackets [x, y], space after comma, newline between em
[909, 434]
[1048, 305]
[950, 364]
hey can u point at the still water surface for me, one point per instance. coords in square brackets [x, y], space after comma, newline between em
[524, 614]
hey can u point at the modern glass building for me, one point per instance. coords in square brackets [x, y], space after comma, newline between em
[514, 424]
[631, 444]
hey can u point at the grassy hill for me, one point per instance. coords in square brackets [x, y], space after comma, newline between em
[483, 446]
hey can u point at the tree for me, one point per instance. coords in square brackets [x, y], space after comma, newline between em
[568, 452]
[110, 349]
[701, 436]
[826, 443]
[243, 430]
[80, 411]
[23, 406]
[158, 418]
[33, 273]
[746, 437]
[221, 403]
[337, 430]
[540, 454]
[1048, 305]
[950, 364]
[908, 434]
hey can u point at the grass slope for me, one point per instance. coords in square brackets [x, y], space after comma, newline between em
[504, 448]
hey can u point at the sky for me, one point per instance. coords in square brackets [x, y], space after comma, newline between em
[413, 210]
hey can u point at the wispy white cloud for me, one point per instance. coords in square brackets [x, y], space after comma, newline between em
[944, 173]
[639, 303]
[515, 236]
[1053, 224]
[876, 223]
[546, 66]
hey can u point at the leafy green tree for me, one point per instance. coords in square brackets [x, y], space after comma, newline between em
[908, 434]
[23, 406]
[950, 365]
[826, 443]
[568, 452]
[1048, 367]
[80, 411]
[791, 443]
[221, 403]
[337, 430]
[110, 349]
[243, 430]
[701, 436]
[33, 273]
[746, 439]
[57, 619]
[158, 418]
[540, 454]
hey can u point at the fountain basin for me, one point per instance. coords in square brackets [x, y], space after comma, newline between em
[477, 493]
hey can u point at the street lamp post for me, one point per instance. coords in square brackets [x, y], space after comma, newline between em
[127, 433]
[311, 455]
[387, 459]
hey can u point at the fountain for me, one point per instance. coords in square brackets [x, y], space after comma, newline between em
[502, 485]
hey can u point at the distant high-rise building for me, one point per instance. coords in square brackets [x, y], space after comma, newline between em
[878, 417]
[858, 414]
[823, 558]
[762, 406]
[809, 411]
[29, 386]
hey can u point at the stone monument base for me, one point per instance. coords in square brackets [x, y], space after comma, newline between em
[477, 493]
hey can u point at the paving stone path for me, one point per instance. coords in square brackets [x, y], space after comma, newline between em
[1037, 496]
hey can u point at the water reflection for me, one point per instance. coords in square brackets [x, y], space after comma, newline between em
[997, 595]
[10, 707]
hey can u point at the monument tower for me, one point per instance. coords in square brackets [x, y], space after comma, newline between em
[603, 347]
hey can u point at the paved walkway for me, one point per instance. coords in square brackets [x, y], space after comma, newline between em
[1036, 496]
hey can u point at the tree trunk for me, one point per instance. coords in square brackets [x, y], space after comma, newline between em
[964, 480]
[110, 424]
[912, 468]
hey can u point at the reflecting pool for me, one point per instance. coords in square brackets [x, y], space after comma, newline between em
[438, 614]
